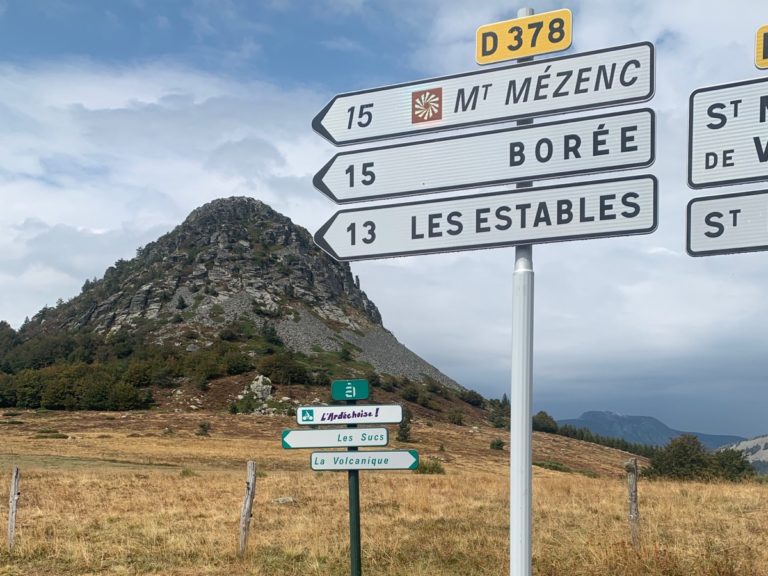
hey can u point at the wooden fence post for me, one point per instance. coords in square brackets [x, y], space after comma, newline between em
[13, 501]
[634, 513]
[246, 513]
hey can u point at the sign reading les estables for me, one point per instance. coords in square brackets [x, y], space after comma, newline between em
[523, 37]
[617, 207]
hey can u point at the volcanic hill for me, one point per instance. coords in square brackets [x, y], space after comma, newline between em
[236, 288]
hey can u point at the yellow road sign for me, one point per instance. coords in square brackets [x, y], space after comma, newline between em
[522, 37]
[761, 47]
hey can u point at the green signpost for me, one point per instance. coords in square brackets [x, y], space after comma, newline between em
[350, 391]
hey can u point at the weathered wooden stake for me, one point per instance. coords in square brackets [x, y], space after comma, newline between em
[13, 501]
[245, 515]
[634, 513]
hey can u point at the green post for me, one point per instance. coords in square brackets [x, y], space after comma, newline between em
[354, 513]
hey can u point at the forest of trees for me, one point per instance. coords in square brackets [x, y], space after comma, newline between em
[91, 372]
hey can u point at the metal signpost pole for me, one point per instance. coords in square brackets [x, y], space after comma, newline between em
[520, 483]
[354, 513]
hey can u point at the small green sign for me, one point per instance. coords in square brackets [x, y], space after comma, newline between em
[349, 390]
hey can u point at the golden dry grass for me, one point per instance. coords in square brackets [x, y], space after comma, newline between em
[123, 498]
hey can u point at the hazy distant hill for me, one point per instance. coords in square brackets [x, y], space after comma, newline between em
[641, 429]
[756, 450]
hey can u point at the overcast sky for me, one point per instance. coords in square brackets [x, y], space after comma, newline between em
[119, 118]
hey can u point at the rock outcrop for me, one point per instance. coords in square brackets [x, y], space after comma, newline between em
[237, 259]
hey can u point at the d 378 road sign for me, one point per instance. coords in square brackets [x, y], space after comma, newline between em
[335, 438]
[379, 414]
[761, 47]
[522, 37]
[617, 207]
[728, 224]
[617, 141]
[383, 460]
[608, 77]
[728, 134]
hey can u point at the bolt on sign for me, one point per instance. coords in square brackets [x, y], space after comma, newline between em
[524, 37]
[761, 47]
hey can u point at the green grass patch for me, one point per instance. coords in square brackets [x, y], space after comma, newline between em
[430, 466]
[559, 467]
[549, 465]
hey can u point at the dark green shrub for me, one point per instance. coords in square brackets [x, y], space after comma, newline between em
[203, 428]
[430, 466]
[404, 428]
[497, 444]
[543, 422]
[410, 393]
[456, 417]
[471, 397]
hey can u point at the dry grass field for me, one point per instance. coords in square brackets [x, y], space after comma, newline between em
[122, 494]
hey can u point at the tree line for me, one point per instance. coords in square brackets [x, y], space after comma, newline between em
[683, 458]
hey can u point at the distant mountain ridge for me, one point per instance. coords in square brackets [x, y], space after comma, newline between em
[641, 429]
[756, 450]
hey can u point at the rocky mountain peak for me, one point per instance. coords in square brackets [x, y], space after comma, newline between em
[230, 258]
[232, 268]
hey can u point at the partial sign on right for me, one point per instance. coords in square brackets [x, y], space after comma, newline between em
[728, 134]
[761, 47]
[728, 224]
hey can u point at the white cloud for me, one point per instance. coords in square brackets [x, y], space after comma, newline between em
[129, 151]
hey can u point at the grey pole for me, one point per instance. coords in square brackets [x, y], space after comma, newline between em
[520, 443]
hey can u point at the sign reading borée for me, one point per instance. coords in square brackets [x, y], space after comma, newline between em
[380, 414]
[596, 79]
[617, 141]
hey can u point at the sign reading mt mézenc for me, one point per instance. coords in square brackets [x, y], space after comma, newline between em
[609, 77]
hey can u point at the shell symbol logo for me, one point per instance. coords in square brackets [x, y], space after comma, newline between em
[427, 105]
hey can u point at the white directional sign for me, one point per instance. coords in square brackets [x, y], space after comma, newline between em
[728, 224]
[615, 207]
[384, 460]
[608, 77]
[335, 438]
[728, 134]
[351, 414]
[617, 141]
